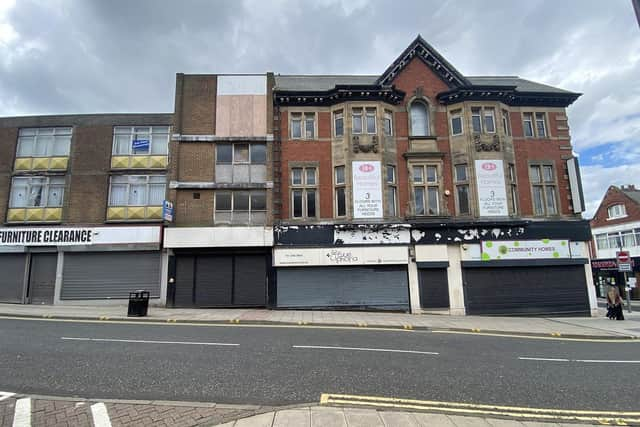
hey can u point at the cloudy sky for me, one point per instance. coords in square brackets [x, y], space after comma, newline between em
[82, 56]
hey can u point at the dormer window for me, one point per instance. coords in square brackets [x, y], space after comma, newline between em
[419, 119]
[617, 211]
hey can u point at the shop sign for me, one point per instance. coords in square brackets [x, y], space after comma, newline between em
[59, 236]
[340, 256]
[525, 249]
[367, 189]
[608, 264]
[492, 195]
[369, 235]
[167, 211]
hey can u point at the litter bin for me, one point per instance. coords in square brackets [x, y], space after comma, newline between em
[138, 303]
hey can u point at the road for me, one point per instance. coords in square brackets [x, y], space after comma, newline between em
[277, 366]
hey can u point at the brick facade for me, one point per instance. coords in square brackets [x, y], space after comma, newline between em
[616, 196]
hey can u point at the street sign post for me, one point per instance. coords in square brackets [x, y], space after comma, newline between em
[624, 266]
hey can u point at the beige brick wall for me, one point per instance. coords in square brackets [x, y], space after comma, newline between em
[194, 212]
[195, 105]
[196, 161]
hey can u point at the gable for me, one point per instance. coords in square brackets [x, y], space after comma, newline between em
[423, 51]
[615, 196]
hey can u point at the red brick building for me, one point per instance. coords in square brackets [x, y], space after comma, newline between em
[424, 189]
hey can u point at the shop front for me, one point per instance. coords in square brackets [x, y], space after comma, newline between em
[605, 272]
[67, 265]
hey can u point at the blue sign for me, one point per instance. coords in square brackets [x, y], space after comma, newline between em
[140, 145]
[167, 211]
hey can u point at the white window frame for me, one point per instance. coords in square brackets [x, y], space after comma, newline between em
[425, 185]
[371, 113]
[305, 188]
[544, 184]
[488, 113]
[29, 182]
[425, 105]
[50, 135]
[155, 134]
[513, 186]
[542, 121]
[457, 115]
[388, 123]
[150, 180]
[462, 181]
[340, 185]
[527, 117]
[476, 112]
[357, 112]
[506, 124]
[616, 211]
[338, 115]
[392, 190]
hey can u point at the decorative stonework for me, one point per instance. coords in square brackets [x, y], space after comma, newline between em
[361, 147]
[485, 145]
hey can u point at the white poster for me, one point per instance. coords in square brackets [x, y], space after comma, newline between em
[66, 236]
[340, 256]
[367, 189]
[525, 249]
[492, 196]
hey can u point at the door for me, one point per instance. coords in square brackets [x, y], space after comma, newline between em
[549, 290]
[12, 267]
[380, 287]
[434, 288]
[42, 278]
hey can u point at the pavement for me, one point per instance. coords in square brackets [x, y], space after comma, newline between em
[579, 327]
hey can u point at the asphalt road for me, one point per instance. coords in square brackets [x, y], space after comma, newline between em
[276, 366]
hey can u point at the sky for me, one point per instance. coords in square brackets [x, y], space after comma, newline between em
[87, 56]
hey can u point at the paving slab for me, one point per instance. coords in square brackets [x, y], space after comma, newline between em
[460, 421]
[328, 417]
[433, 420]
[293, 418]
[398, 419]
[262, 420]
[362, 418]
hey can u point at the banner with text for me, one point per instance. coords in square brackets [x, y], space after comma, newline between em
[367, 189]
[63, 236]
[526, 249]
[340, 256]
[492, 196]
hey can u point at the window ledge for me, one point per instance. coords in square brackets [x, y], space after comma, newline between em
[420, 154]
[426, 137]
[616, 217]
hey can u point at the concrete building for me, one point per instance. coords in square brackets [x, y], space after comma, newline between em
[616, 227]
[421, 189]
[81, 201]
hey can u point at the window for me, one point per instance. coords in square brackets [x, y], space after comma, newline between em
[544, 190]
[341, 199]
[618, 239]
[527, 124]
[303, 126]
[489, 120]
[617, 211]
[462, 189]
[371, 120]
[140, 140]
[43, 142]
[540, 125]
[505, 122]
[388, 123]
[338, 124]
[537, 130]
[392, 191]
[241, 163]
[303, 192]
[456, 122]
[476, 119]
[37, 191]
[419, 119]
[241, 207]
[513, 187]
[425, 189]
[356, 120]
[137, 190]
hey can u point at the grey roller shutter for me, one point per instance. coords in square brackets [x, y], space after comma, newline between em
[12, 267]
[434, 288]
[42, 278]
[250, 280]
[549, 290]
[184, 281]
[355, 287]
[99, 275]
[214, 281]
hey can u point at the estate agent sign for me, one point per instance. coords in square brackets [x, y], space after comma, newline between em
[367, 190]
[492, 196]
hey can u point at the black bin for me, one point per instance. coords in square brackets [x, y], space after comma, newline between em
[138, 303]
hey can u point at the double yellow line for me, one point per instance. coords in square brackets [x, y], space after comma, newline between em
[470, 409]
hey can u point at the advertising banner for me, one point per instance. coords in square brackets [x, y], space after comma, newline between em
[367, 189]
[492, 196]
[64, 236]
[525, 249]
[340, 256]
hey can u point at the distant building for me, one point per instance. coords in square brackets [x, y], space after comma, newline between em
[615, 227]
[419, 189]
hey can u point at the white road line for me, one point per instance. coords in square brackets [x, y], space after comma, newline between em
[100, 415]
[387, 350]
[22, 414]
[545, 359]
[147, 341]
[5, 395]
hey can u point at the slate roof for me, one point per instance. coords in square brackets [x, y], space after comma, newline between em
[632, 194]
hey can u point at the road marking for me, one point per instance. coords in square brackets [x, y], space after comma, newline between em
[100, 415]
[629, 339]
[545, 359]
[22, 414]
[5, 395]
[387, 350]
[477, 409]
[147, 341]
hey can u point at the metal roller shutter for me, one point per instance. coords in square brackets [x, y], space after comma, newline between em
[183, 296]
[549, 290]
[250, 280]
[214, 281]
[356, 287]
[98, 275]
[434, 288]
[42, 278]
[12, 267]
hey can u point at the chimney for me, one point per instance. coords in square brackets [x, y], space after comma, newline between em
[629, 187]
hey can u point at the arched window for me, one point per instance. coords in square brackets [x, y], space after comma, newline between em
[419, 119]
